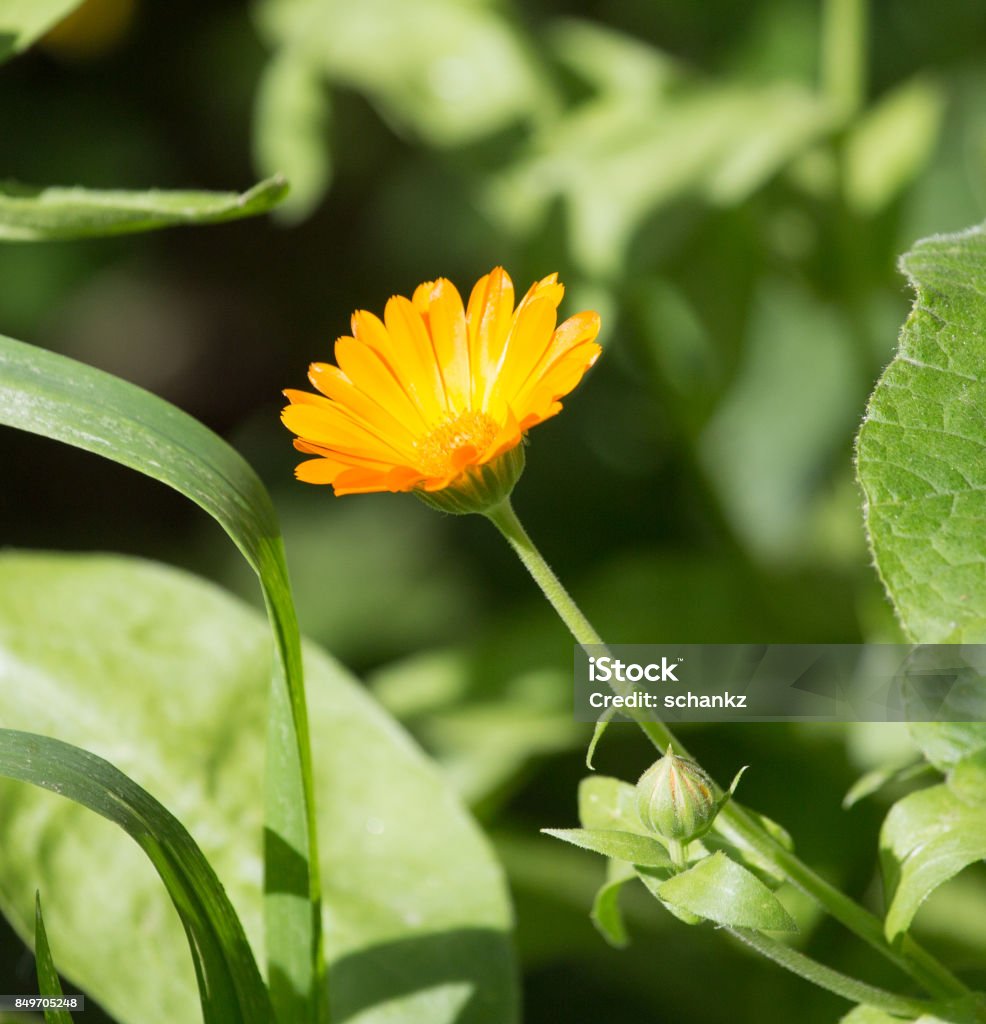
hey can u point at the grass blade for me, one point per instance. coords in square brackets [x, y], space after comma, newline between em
[48, 983]
[230, 985]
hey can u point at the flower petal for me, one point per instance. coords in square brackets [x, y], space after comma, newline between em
[415, 362]
[489, 315]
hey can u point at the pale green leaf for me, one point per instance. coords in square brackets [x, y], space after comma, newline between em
[48, 982]
[230, 987]
[967, 780]
[927, 837]
[626, 846]
[720, 890]
[921, 449]
[47, 394]
[23, 21]
[891, 143]
[608, 803]
[33, 214]
[291, 131]
[165, 676]
[450, 72]
[879, 778]
[614, 161]
[605, 913]
[944, 744]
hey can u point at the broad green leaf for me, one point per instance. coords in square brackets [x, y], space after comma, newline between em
[33, 214]
[23, 21]
[608, 803]
[721, 890]
[920, 450]
[626, 846]
[927, 837]
[48, 983]
[166, 676]
[291, 131]
[967, 780]
[605, 913]
[230, 987]
[47, 394]
[944, 744]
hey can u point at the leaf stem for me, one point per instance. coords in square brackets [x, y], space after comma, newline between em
[734, 820]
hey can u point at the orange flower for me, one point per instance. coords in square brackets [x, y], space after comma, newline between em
[431, 397]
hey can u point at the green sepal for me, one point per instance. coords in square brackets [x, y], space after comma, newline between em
[479, 488]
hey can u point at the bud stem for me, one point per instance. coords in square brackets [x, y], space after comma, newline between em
[678, 852]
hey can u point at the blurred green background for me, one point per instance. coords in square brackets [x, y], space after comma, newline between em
[727, 183]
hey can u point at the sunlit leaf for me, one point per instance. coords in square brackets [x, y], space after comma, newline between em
[230, 987]
[166, 676]
[927, 837]
[32, 214]
[944, 744]
[450, 72]
[627, 846]
[720, 890]
[608, 803]
[920, 450]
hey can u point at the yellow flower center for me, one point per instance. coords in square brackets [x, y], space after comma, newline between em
[435, 451]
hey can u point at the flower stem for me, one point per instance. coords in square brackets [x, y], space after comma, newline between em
[504, 518]
[734, 820]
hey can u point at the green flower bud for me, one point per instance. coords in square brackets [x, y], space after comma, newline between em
[676, 799]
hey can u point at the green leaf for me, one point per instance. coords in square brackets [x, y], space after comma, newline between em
[166, 676]
[879, 778]
[627, 846]
[927, 837]
[32, 214]
[230, 986]
[720, 890]
[605, 913]
[891, 143]
[967, 780]
[48, 983]
[944, 744]
[291, 131]
[452, 73]
[871, 1015]
[608, 803]
[47, 394]
[23, 21]
[920, 450]
[653, 880]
